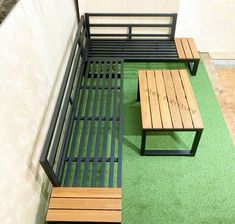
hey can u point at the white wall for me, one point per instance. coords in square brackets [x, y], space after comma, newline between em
[211, 23]
[128, 6]
[34, 40]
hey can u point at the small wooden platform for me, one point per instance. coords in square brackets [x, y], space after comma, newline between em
[168, 103]
[72, 204]
[186, 48]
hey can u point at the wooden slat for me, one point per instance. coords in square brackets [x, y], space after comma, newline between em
[172, 101]
[78, 192]
[84, 203]
[165, 113]
[186, 47]
[144, 100]
[193, 48]
[182, 102]
[193, 108]
[179, 48]
[154, 104]
[83, 216]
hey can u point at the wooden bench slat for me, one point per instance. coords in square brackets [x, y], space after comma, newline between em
[193, 108]
[144, 100]
[79, 192]
[84, 203]
[193, 48]
[186, 47]
[172, 101]
[164, 108]
[179, 48]
[83, 216]
[154, 104]
[182, 102]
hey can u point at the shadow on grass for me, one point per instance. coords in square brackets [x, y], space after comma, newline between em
[132, 118]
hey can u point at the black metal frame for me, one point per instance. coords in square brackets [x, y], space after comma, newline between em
[88, 49]
[103, 77]
[170, 152]
[86, 77]
[56, 143]
[136, 47]
[130, 35]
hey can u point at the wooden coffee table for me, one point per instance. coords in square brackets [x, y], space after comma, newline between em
[168, 104]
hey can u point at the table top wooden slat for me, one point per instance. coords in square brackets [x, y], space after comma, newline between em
[164, 107]
[193, 48]
[179, 48]
[181, 99]
[172, 101]
[192, 103]
[154, 104]
[144, 99]
[186, 47]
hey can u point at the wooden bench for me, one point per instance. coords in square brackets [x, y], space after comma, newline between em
[72, 204]
[168, 104]
[187, 50]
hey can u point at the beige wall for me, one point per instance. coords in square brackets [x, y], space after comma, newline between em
[33, 42]
[211, 23]
[128, 6]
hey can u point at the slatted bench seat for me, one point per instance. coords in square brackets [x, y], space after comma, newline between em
[168, 104]
[100, 205]
[83, 147]
[139, 42]
[94, 157]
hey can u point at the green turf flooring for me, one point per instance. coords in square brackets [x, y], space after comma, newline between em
[174, 190]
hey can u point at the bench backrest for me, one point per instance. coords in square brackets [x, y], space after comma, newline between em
[57, 139]
[131, 26]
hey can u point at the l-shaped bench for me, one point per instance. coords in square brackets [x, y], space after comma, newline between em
[83, 147]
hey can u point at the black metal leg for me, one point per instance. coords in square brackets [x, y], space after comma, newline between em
[170, 152]
[138, 92]
[196, 142]
[193, 66]
[143, 141]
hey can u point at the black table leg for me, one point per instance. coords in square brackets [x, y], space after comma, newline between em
[143, 141]
[170, 152]
[196, 142]
[138, 92]
[193, 66]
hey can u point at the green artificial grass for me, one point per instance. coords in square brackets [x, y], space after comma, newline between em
[174, 190]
